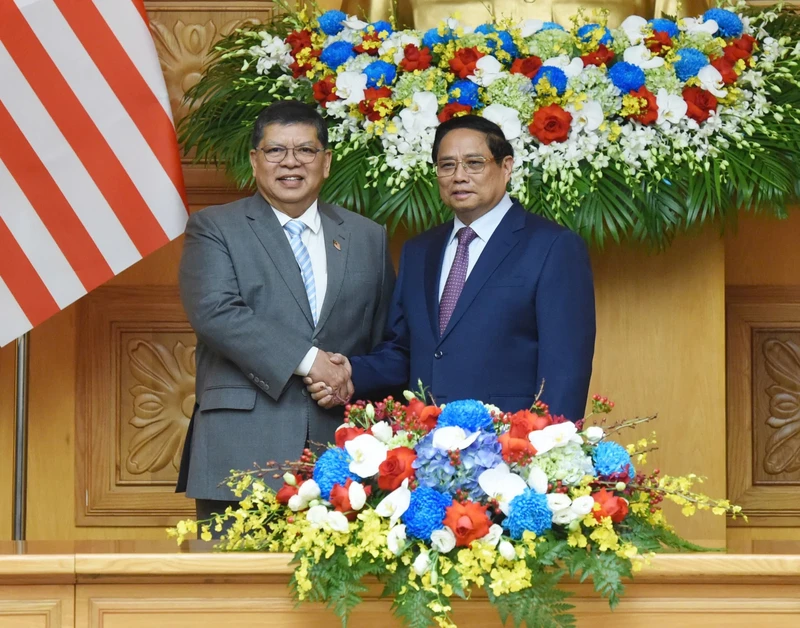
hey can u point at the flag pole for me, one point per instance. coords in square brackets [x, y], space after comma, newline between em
[21, 439]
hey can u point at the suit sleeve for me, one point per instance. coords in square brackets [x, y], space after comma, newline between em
[565, 314]
[223, 321]
[386, 368]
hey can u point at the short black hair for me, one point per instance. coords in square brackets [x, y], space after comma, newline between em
[285, 112]
[499, 146]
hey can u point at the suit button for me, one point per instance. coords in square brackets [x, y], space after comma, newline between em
[305, 392]
[437, 355]
[251, 376]
[266, 386]
[315, 342]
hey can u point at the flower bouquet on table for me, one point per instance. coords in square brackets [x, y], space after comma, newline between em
[435, 501]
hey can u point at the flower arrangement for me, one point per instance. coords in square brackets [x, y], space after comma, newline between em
[437, 501]
[638, 131]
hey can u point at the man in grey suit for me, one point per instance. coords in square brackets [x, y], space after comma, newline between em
[268, 282]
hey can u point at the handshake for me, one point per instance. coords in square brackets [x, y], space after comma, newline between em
[329, 380]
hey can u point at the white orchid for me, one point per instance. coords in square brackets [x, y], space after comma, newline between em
[570, 67]
[589, 116]
[530, 27]
[634, 27]
[395, 503]
[506, 550]
[357, 495]
[553, 436]
[367, 454]
[382, 431]
[396, 44]
[671, 108]
[500, 484]
[443, 540]
[421, 114]
[711, 81]
[487, 70]
[354, 24]
[493, 536]
[422, 563]
[453, 438]
[350, 87]
[697, 25]
[641, 56]
[506, 118]
[537, 480]
[396, 539]
[595, 433]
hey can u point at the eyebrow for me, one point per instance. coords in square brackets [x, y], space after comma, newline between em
[308, 143]
[465, 156]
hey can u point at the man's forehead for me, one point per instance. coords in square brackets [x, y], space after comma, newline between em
[300, 132]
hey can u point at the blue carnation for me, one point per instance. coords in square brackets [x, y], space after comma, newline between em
[730, 24]
[432, 37]
[338, 53]
[555, 76]
[382, 26]
[585, 33]
[426, 512]
[551, 26]
[528, 511]
[468, 414]
[626, 76]
[468, 94]
[330, 22]
[611, 458]
[485, 29]
[380, 72]
[665, 26]
[689, 63]
[507, 43]
[333, 467]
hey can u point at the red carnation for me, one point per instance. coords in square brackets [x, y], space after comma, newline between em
[463, 64]
[396, 468]
[299, 40]
[344, 434]
[649, 113]
[701, 103]
[602, 56]
[517, 450]
[468, 521]
[528, 66]
[415, 58]
[725, 68]
[370, 50]
[340, 498]
[658, 42]
[610, 506]
[324, 91]
[734, 53]
[745, 42]
[550, 124]
[452, 110]
[371, 96]
[286, 492]
[299, 70]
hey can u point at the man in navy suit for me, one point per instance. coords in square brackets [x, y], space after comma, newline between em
[490, 304]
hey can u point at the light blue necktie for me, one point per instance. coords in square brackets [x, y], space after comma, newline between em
[295, 229]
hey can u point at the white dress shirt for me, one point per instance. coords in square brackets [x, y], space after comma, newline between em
[314, 239]
[484, 227]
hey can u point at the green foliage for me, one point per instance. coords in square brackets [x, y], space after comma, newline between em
[650, 538]
[543, 605]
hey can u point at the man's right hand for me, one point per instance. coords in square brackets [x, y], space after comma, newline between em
[329, 379]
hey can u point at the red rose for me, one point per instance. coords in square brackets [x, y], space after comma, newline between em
[463, 64]
[299, 69]
[429, 417]
[468, 521]
[415, 406]
[325, 91]
[734, 53]
[372, 41]
[371, 96]
[528, 66]
[701, 103]
[649, 113]
[515, 449]
[286, 492]
[396, 468]
[725, 68]
[344, 434]
[542, 421]
[340, 498]
[453, 109]
[522, 423]
[599, 57]
[415, 58]
[745, 42]
[299, 40]
[658, 41]
[610, 506]
[550, 124]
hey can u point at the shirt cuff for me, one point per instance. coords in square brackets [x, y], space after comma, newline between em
[304, 368]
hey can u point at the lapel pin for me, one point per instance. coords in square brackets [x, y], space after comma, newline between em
[336, 245]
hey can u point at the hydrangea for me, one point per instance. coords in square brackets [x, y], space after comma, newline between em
[594, 82]
[689, 63]
[528, 511]
[555, 76]
[568, 464]
[730, 24]
[665, 26]
[663, 78]
[380, 73]
[467, 93]
[610, 458]
[330, 22]
[338, 53]
[515, 91]
[626, 76]
[468, 414]
[435, 470]
[333, 467]
[432, 37]
[425, 513]
[585, 34]
[382, 26]
[430, 80]
[551, 43]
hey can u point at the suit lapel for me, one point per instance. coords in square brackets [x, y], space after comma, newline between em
[500, 244]
[433, 272]
[268, 230]
[334, 229]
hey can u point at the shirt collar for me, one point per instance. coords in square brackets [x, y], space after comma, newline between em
[310, 217]
[485, 226]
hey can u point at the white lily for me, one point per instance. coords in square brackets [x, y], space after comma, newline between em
[353, 23]
[583, 505]
[529, 27]
[382, 431]
[357, 495]
[350, 87]
[493, 536]
[595, 433]
[697, 25]
[570, 67]
[711, 81]
[422, 563]
[500, 484]
[396, 539]
[506, 550]
[671, 108]
[506, 118]
[558, 501]
[641, 56]
[553, 436]
[395, 503]
[453, 438]
[634, 27]
[421, 114]
[537, 480]
[367, 453]
[443, 540]
[589, 116]
[487, 70]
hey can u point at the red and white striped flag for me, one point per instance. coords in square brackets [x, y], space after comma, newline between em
[90, 173]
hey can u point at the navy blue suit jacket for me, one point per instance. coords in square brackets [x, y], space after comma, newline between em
[526, 314]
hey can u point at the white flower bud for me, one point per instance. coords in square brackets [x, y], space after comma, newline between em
[506, 550]
[370, 411]
[583, 505]
[558, 501]
[309, 490]
[443, 540]
[357, 495]
[290, 479]
[337, 521]
[317, 515]
[297, 503]
[493, 536]
[382, 431]
[594, 433]
[422, 563]
[409, 395]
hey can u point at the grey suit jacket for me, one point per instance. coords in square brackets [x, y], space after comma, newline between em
[244, 295]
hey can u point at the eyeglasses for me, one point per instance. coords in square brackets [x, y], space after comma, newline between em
[303, 154]
[471, 165]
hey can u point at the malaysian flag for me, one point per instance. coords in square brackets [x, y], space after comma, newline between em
[90, 173]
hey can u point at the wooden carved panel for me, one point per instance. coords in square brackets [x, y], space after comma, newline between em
[763, 369]
[40, 606]
[135, 395]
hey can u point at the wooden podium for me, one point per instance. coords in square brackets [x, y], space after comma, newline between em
[154, 584]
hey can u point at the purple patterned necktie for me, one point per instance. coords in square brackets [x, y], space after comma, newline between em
[456, 278]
